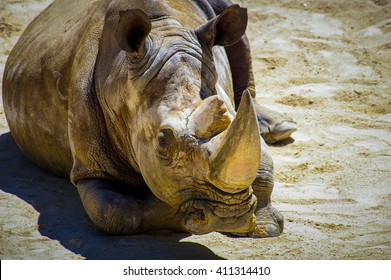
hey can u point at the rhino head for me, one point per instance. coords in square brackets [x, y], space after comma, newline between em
[172, 121]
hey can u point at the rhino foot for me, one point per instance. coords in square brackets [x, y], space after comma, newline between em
[274, 127]
[269, 223]
[279, 132]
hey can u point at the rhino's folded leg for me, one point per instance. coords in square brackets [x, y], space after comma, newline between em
[269, 221]
[274, 126]
[117, 213]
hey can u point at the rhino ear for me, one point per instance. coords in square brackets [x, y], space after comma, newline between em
[132, 30]
[225, 29]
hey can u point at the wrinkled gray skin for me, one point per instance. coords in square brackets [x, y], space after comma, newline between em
[135, 101]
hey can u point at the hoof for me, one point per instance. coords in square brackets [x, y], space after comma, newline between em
[279, 132]
[265, 230]
[261, 231]
[270, 223]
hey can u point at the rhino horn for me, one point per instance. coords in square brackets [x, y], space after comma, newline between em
[236, 153]
[209, 118]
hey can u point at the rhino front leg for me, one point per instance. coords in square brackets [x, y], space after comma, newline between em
[120, 214]
[269, 221]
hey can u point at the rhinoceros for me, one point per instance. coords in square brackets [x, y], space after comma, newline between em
[149, 108]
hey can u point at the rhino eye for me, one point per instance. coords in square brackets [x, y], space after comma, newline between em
[162, 139]
[166, 137]
[166, 144]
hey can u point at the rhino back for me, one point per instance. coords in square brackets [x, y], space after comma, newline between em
[37, 80]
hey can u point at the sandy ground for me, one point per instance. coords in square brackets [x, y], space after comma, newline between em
[326, 64]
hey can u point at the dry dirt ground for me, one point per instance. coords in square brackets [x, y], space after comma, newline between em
[325, 63]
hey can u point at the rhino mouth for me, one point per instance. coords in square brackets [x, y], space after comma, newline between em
[228, 213]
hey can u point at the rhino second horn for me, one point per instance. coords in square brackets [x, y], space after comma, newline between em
[209, 118]
[236, 153]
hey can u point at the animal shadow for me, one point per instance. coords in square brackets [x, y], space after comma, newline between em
[63, 218]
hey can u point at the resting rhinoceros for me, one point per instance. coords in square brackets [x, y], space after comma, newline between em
[148, 107]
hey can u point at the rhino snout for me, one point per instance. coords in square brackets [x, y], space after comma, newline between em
[203, 216]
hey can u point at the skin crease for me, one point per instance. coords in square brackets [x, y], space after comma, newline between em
[113, 111]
